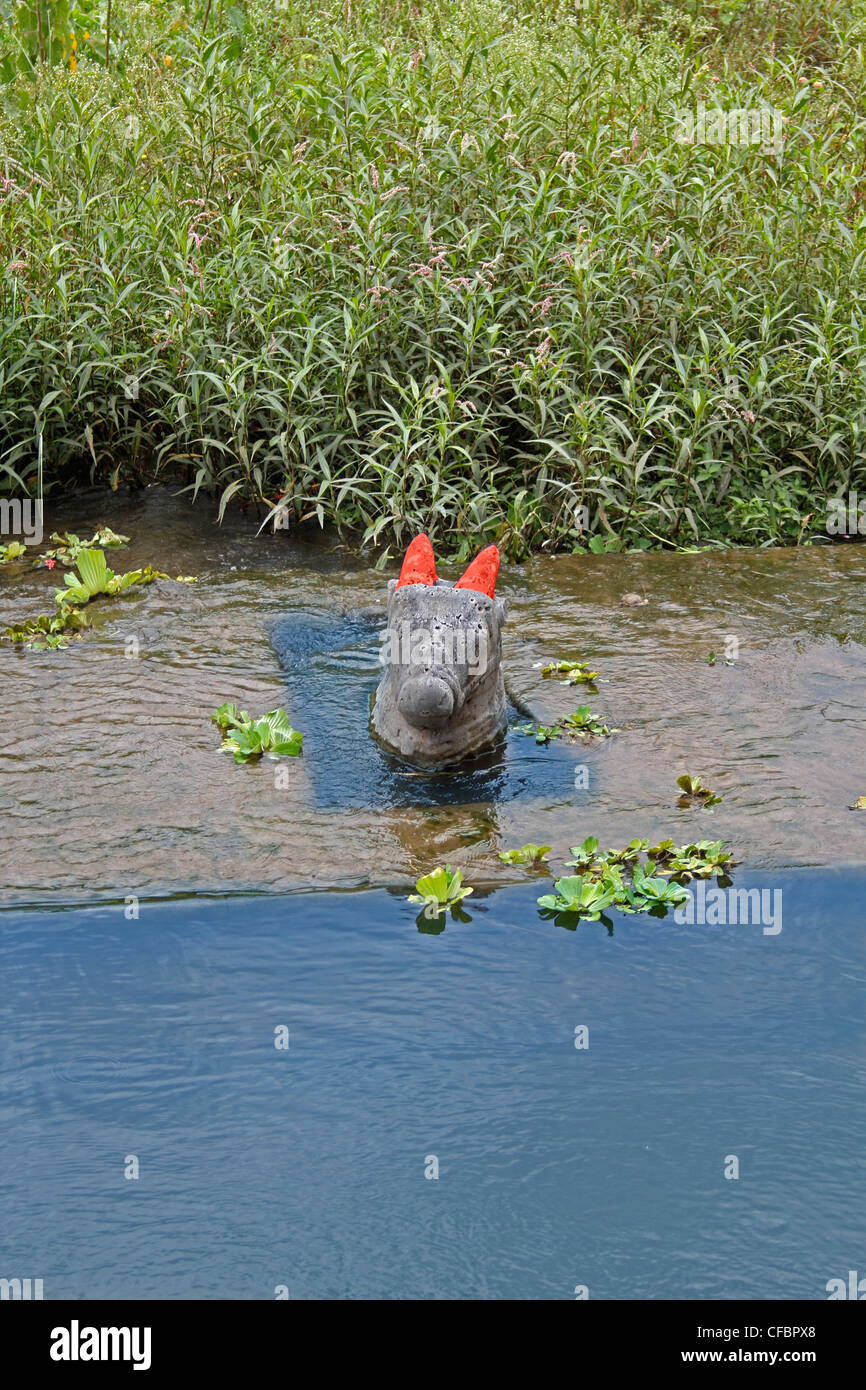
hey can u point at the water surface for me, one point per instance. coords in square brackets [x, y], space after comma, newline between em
[557, 1167]
[112, 782]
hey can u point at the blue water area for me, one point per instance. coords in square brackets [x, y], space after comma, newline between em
[558, 1166]
[332, 668]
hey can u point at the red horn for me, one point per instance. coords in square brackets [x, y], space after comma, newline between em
[419, 565]
[481, 574]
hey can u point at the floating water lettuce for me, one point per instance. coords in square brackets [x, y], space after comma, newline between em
[695, 792]
[576, 894]
[249, 739]
[572, 672]
[702, 859]
[94, 578]
[47, 632]
[68, 546]
[646, 892]
[583, 721]
[587, 895]
[624, 880]
[13, 551]
[440, 889]
[587, 855]
[527, 854]
[581, 724]
[227, 716]
[542, 733]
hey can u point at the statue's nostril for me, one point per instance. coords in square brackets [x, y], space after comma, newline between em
[425, 701]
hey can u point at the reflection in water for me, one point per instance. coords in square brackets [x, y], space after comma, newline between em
[440, 834]
[332, 670]
[112, 782]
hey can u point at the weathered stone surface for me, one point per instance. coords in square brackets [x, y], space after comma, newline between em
[442, 695]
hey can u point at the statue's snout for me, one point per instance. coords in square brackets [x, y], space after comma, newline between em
[441, 697]
[426, 701]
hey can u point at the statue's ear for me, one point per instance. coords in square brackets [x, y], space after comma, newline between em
[481, 574]
[502, 611]
[419, 564]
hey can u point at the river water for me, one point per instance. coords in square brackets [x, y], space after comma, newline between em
[112, 782]
[427, 1127]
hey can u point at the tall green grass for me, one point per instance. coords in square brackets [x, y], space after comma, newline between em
[444, 266]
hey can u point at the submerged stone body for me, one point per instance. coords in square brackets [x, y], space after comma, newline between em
[442, 694]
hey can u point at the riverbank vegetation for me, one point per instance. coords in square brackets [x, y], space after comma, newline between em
[492, 269]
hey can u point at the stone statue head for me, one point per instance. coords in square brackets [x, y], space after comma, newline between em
[442, 696]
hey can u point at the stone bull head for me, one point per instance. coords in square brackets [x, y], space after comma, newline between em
[442, 696]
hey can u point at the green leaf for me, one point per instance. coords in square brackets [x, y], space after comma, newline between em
[440, 887]
[527, 854]
[93, 570]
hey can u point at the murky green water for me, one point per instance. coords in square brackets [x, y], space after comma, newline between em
[112, 782]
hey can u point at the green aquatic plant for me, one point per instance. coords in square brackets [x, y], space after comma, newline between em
[588, 854]
[703, 859]
[228, 716]
[572, 672]
[584, 723]
[94, 578]
[581, 724]
[647, 891]
[542, 733]
[47, 632]
[625, 880]
[578, 894]
[695, 793]
[15, 550]
[528, 854]
[663, 851]
[630, 854]
[68, 546]
[248, 739]
[442, 888]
